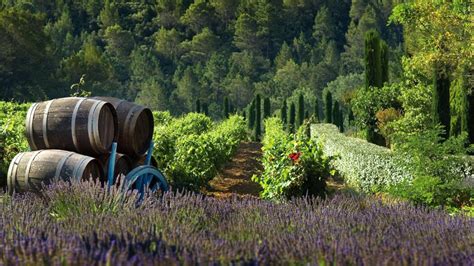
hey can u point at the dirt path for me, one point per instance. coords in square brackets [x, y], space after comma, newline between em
[235, 177]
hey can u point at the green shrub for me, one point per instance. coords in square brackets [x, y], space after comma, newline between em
[294, 165]
[198, 157]
[12, 134]
[443, 173]
[162, 117]
[166, 134]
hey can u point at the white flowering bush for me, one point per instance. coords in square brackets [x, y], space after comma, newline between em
[362, 164]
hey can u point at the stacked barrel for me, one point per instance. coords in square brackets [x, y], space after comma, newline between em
[71, 138]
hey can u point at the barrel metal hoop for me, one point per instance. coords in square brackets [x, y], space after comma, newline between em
[90, 124]
[28, 166]
[60, 165]
[45, 124]
[73, 123]
[29, 125]
[11, 178]
[75, 176]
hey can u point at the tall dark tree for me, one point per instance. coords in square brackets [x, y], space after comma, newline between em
[335, 114]
[258, 118]
[384, 58]
[283, 112]
[291, 124]
[205, 109]
[300, 114]
[328, 107]
[251, 123]
[441, 106]
[373, 64]
[198, 106]
[266, 108]
[316, 109]
[459, 105]
[226, 107]
[376, 73]
[351, 116]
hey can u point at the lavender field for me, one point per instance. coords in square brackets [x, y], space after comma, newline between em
[84, 224]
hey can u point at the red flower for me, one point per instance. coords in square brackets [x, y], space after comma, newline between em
[295, 156]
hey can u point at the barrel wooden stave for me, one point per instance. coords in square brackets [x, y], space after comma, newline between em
[135, 126]
[28, 171]
[83, 125]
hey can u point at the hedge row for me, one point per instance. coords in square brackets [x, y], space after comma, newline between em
[364, 165]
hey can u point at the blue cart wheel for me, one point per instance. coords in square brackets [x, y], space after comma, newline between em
[145, 176]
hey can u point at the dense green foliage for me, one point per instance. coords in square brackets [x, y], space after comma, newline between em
[167, 54]
[294, 165]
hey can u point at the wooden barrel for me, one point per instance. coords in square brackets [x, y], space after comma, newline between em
[86, 126]
[135, 124]
[123, 164]
[29, 170]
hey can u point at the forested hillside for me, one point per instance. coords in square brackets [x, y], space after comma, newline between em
[168, 53]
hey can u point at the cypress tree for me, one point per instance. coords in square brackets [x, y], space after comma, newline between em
[226, 107]
[351, 116]
[341, 120]
[470, 117]
[266, 108]
[335, 114]
[328, 107]
[205, 109]
[300, 114]
[441, 108]
[373, 64]
[376, 73]
[459, 105]
[252, 115]
[291, 125]
[198, 106]
[316, 110]
[283, 112]
[258, 118]
[384, 61]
